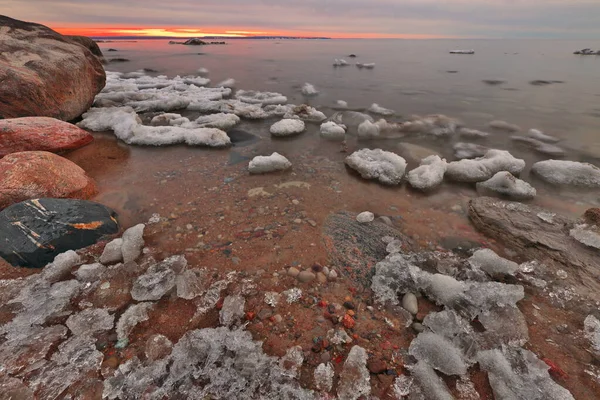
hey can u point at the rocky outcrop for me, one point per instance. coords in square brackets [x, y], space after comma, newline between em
[33, 232]
[40, 134]
[44, 73]
[88, 43]
[538, 234]
[31, 174]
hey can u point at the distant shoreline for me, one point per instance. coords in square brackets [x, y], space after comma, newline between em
[106, 39]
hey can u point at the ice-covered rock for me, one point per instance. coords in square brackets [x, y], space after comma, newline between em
[287, 127]
[469, 150]
[354, 380]
[90, 272]
[264, 98]
[131, 317]
[338, 336]
[309, 90]
[272, 163]
[483, 168]
[430, 385]
[539, 135]
[384, 166]
[168, 119]
[232, 311]
[223, 121]
[154, 284]
[332, 131]
[158, 347]
[202, 71]
[365, 65]
[341, 104]
[90, 321]
[305, 113]
[227, 83]
[365, 217]
[559, 172]
[350, 118]
[368, 130]
[540, 146]
[504, 184]
[586, 234]
[472, 133]
[340, 62]
[191, 283]
[113, 252]
[323, 376]
[133, 242]
[492, 264]
[504, 126]
[377, 109]
[438, 352]
[61, 267]
[292, 361]
[437, 125]
[429, 174]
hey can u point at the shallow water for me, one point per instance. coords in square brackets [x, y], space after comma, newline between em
[410, 77]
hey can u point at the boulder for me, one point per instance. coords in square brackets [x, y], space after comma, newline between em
[40, 134]
[559, 172]
[88, 43]
[32, 174]
[44, 73]
[34, 232]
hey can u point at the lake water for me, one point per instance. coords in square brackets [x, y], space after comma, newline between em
[410, 77]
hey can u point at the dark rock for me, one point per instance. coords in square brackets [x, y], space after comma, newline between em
[592, 216]
[44, 73]
[112, 50]
[118, 60]
[88, 43]
[521, 228]
[352, 56]
[194, 42]
[493, 82]
[540, 82]
[355, 248]
[33, 232]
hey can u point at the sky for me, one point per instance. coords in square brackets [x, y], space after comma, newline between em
[568, 19]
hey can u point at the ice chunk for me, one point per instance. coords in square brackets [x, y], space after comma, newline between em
[591, 329]
[168, 119]
[305, 113]
[61, 266]
[482, 169]
[438, 125]
[338, 336]
[191, 283]
[504, 126]
[340, 62]
[429, 174]
[332, 131]
[350, 118]
[377, 109]
[505, 325]
[158, 347]
[504, 184]
[430, 384]
[365, 65]
[292, 295]
[292, 361]
[264, 98]
[365, 217]
[90, 321]
[272, 298]
[154, 284]
[469, 150]
[287, 127]
[559, 172]
[309, 90]
[202, 71]
[177, 263]
[112, 252]
[354, 380]
[539, 135]
[341, 104]
[324, 377]
[368, 130]
[133, 242]
[438, 352]
[472, 133]
[272, 163]
[131, 317]
[228, 83]
[223, 121]
[515, 373]
[232, 312]
[491, 263]
[384, 166]
[449, 324]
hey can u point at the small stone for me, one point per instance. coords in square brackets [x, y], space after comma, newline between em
[377, 366]
[418, 327]
[410, 304]
[321, 277]
[265, 313]
[293, 272]
[325, 356]
[311, 222]
[349, 305]
[112, 252]
[386, 220]
[306, 276]
[365, 217]
[133, 242]
[158, 347]
[333, 275]
[295, 202]
[298, 221]
[277, 318]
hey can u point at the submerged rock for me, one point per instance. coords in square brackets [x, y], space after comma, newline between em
[559, 172]
[504, 184]
[377, 109]
[384, 166]
[539, 146]
[272, 163]
[287, 127]
[472, 133]
[33, 174]
[504, 126]
[44, 73]
[40, 134]
[429, 174]
[469, 150]
[482, 169]
[34, 232]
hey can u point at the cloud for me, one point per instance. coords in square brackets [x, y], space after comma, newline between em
[465, 18]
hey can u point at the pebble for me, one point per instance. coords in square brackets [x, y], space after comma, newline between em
[418, 327]
[349, 305]
[297, 221]
[386, 220]
[365, 217]
[410, 304]
[311, 222]
[277, 318]
[293, 272]
[333, 275]
[295, 202]
[325, 356]
[321, 277]
[377, 366]
[306, 276]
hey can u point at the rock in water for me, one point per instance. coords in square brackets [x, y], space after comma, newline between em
[559, 172]
[34, 232]
[32, 174]
[40, 134]
[505, 184]
[272, 163]
[483, 168]
[354, 379]
[44, 73]
[332, 131]
[384, 166]
[287, 127]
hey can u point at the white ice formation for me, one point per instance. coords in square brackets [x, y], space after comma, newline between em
[429, 174]
[332, 131]
[287, 127]
[483, 168]
[384, 166]
[505, 184]
[559, 172]
[264, 164]
[309, 90]
[377, 109]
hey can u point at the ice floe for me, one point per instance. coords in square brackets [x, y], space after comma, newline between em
[504, 184]
[429, 174]
[287, 127]
[384, 166]
[256, 97]
[559, 172]
[309, 90]
[332, 131]
[264, 164]
[483, 168]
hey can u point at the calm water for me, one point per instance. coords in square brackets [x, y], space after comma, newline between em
[410, 77]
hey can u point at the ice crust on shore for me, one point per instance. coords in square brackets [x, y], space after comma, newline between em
[384, 166]
[483, 168]
[429, 174]
[264, 164]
